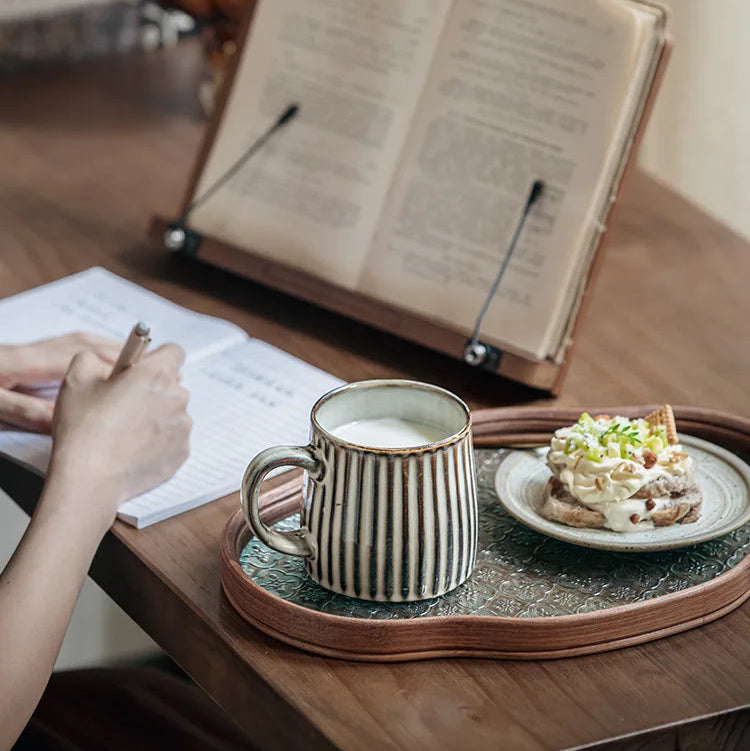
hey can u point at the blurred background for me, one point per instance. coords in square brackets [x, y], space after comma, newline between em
[697, 139]
[696, 143]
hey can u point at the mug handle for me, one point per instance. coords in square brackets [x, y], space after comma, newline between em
[300, 542]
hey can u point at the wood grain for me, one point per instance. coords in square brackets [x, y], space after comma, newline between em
[92, 151]
[360, 307]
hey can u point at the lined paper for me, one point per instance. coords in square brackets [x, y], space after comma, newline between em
[244, 400]
[99, 302]
[245, 394]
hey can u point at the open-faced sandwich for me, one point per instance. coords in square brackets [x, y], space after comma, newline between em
[621, 474]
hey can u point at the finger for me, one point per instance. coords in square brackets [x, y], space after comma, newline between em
[24, 411]
[183, 397]
[86, 367]
[48, 360]
[167, 356]
[106, 349]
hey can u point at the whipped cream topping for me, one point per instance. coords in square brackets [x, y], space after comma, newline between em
[602, 462]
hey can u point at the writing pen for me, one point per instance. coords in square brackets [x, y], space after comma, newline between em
[133, 348]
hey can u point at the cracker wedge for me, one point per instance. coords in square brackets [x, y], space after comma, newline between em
[664, 416]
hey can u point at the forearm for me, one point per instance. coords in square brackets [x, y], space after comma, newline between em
[38, 591]
[114, 438]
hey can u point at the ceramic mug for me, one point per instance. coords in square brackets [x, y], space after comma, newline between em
[390, 501]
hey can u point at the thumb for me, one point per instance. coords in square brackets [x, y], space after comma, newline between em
[24, 411]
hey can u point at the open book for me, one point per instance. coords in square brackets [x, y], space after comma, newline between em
[422, 126]
[245, 394]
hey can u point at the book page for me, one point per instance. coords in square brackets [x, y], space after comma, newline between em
[651, 20]
[519, 91]
[313, 193]
[96, 301]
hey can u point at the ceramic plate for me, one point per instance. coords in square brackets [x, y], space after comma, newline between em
[722, 476]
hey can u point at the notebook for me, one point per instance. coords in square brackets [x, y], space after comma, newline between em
[245, 394]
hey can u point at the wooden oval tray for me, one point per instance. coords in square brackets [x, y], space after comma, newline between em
[531, 597]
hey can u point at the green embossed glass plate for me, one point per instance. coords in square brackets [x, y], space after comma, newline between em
[519, 572]
[530, 596]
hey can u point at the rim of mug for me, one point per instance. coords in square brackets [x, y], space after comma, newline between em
[402, 383]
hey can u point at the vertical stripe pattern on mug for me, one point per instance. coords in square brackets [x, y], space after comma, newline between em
[393, 526]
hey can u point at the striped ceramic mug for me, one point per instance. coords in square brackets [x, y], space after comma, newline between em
[390, 502]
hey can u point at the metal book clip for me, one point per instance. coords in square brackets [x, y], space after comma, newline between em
[177, 237]
[477, 353]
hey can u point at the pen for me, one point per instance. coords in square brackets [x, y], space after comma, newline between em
[134, 347]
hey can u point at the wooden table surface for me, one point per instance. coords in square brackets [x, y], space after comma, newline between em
[90, 151]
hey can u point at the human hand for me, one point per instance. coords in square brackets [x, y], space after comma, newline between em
[36, 363]
[122, 436]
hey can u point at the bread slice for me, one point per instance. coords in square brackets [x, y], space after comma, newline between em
[560, 506]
